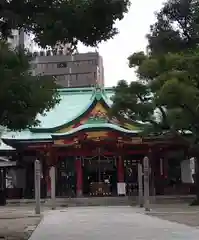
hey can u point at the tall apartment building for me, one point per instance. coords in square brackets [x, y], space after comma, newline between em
[77, 70]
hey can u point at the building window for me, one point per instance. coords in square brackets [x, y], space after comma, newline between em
[33, 65]
[95, 76]
[77, 63]
[92, 62]
[49, 66]
[40, 66]
[62, 65]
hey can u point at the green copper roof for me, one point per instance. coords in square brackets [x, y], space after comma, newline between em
[96, 126]
[5, 147]
[28, 135]
[25, 135]
[74, 102]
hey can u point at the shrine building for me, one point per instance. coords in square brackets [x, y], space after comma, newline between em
[93, 154]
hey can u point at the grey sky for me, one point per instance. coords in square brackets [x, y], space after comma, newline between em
[133, 29]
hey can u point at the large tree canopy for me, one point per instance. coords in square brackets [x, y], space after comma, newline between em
[52, 22]
[166, 94]
[22, 96]
[168, 82]
[176, 28]
[65, 21]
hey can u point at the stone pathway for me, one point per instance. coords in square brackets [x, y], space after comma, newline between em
[109, 223]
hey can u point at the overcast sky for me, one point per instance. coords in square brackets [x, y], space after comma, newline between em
[133, 29]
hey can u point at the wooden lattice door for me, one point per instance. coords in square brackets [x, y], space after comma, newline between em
[66, 178]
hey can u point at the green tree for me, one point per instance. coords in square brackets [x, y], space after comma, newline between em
[176, 28]
[52, 22]
[63, 21]
[166, 94]
[22, 96]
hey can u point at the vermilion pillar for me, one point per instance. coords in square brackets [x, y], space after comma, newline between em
[120, 170]
[165, 168]
[48, 182]
[79, 177]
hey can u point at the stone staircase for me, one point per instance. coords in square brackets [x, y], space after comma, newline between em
[92, 201]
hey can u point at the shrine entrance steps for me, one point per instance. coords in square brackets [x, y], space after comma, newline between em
[93, 201]
[101, 201]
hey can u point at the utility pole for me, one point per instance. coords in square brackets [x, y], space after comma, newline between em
[140, 184]
[146, 184]
[37, 186]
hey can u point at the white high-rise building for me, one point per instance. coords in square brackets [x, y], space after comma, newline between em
[21, 38]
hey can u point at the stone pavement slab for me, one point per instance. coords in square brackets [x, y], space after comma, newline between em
[179, 207]
[112, 223]
[181, 213]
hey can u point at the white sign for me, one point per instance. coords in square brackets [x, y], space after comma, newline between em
[187, 170]
[121, 188]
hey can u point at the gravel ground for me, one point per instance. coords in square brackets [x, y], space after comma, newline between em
[18, 229]
[17, 223]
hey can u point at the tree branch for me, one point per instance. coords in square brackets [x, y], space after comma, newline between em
[194, 116]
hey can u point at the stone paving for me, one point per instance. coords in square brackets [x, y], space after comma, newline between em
[97, 223]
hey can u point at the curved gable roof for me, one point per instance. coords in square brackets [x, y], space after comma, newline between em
[5, 147]
[74, 103]
[96, 127]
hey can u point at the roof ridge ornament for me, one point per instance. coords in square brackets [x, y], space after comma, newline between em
[98, 91]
